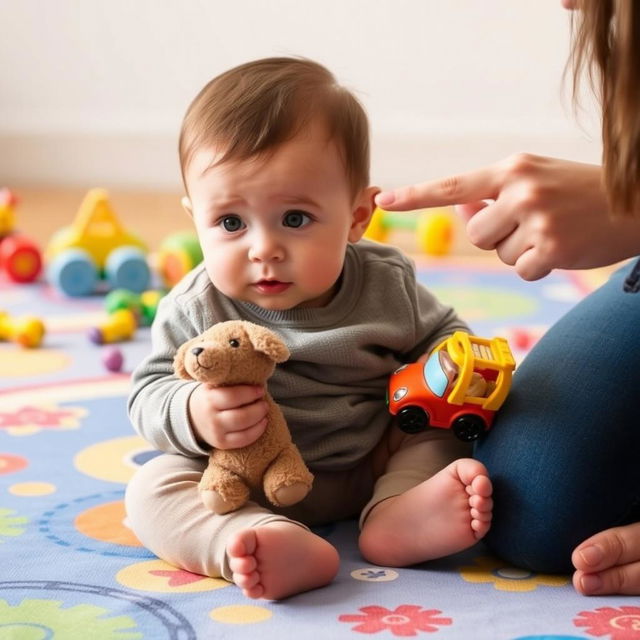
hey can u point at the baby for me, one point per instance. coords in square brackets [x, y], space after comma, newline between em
[275, 163]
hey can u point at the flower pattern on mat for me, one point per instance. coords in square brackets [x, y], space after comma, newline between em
[31, 419]
[177, 577]
[10, 524]
[33, 618]
[507, 578]
[405, 620]
[618, 624]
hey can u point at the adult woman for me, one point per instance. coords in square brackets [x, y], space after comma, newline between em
[563, 454]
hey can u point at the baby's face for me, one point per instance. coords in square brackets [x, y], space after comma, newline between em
[274, 230]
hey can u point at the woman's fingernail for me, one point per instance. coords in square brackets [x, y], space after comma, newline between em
[592, 555]
[385, 198]
[591, 583]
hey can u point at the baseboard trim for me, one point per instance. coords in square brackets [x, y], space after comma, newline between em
[149, 161]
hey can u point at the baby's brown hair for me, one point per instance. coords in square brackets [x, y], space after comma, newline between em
[252, 108]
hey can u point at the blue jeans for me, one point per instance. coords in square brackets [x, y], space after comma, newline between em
[564, 451]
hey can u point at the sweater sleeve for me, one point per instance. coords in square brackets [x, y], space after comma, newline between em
[433, 320]
[158, 402]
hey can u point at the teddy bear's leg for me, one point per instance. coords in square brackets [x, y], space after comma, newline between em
[221, 490]
[287, 479]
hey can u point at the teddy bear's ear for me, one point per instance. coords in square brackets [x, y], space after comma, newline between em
[267, 342]
[178, 362]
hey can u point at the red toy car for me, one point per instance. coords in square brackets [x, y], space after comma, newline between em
[460, 386]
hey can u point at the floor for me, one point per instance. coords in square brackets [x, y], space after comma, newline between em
[71, 568]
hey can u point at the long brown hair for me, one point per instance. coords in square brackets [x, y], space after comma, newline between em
[606, 49]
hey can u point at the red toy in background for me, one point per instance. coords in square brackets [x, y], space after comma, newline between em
[20, 257]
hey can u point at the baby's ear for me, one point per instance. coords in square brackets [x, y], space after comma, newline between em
[267, 342]
[178, 362]
[363, 209]
[186, 205]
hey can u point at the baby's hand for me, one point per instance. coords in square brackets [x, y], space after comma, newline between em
[228, 417]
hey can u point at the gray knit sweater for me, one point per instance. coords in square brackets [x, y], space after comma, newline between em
[332, 389]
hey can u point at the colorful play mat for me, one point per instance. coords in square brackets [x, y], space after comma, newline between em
[71, 569]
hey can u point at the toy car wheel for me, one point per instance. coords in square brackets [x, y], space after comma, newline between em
[74, 273]
[413, 419]
[20, 258]
[468, 427]
[127, 268]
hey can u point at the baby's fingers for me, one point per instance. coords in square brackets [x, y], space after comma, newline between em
[241, 418]
[225, 398]
[243, 437]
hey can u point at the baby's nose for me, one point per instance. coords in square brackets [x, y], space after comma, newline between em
[196, 351]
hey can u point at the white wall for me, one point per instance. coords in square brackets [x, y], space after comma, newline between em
[92, 91]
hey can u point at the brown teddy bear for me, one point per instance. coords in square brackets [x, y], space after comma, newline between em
[237, 353]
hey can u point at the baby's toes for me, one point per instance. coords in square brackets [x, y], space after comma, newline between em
[481, 486]
[480, 527]
[481, 503]
[246, 580]
[243, 543]
[255, 592]
[483, 516]
[243, 564]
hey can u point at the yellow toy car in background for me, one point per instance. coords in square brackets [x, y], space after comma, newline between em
[96, 249]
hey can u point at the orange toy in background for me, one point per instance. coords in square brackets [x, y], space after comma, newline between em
[178, 254]
[238, 353]
[27, 331]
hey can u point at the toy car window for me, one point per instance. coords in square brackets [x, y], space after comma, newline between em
[434, 377]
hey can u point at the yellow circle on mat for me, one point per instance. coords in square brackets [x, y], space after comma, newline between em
[110, 460]
[158, 576]
[30, 489]
[18, 362]
[240, 614]
[106, 522]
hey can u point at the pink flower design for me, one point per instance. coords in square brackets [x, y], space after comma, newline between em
[620, 624]
[29, 419]
[178, 577]
[405, 620]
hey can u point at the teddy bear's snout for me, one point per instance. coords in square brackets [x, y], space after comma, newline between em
[196, 351]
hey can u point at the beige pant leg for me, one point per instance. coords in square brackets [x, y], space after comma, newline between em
[165, 512]
[409, 459]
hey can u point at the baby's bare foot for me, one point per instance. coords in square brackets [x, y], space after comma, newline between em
[279, 560]
[443, 515]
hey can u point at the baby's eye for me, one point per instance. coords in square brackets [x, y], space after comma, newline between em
[232, 223]
[296, 218]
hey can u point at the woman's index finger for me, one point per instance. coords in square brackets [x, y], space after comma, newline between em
[481, 184]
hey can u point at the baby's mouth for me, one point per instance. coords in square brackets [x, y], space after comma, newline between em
[271, 286]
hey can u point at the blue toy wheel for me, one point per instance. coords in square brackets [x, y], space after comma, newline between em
[127, 268]
[73, 272]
